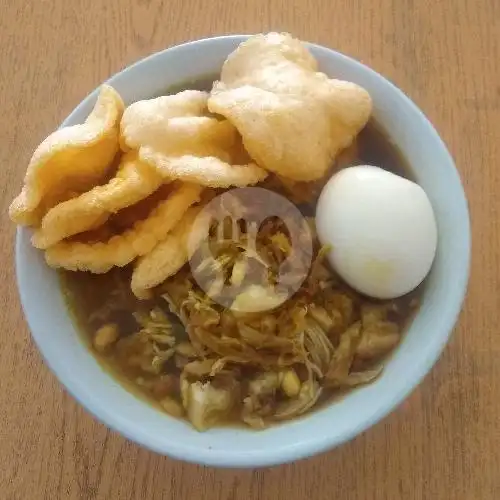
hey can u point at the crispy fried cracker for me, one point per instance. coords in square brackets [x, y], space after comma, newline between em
[133, 182]
[71, 159]
[169, 255]
[121, 249]
[293, 120]
[149, 121]
[205, 170]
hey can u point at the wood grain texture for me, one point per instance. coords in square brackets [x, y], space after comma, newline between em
[444, 441]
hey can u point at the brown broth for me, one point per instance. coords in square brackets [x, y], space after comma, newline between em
[85, 293]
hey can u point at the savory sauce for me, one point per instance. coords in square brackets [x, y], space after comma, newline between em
[94, 300]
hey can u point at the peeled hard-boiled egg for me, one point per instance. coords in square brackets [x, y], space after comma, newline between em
[381, 229]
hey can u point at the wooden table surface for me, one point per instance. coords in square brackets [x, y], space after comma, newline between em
[444, 441]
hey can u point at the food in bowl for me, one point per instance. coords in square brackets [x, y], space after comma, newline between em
[198, 316]
[382, 230]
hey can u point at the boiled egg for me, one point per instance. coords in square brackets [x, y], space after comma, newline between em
[380, 228]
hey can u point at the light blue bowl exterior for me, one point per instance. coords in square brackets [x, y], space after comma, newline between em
[73, 364]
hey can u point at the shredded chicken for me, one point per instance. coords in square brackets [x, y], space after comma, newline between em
[262, 356]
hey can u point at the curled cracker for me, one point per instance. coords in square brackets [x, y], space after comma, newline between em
[133, 182]
[72, 158]
[195, 135]
[205, 170]
[169, 255]
[122, 249]
[293, 119]
[149, 121]
[173, 136]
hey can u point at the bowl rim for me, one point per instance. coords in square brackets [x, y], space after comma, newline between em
[316, 443]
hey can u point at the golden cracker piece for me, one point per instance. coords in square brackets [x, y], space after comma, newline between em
[205, 170]
[170, 255]
[173, 135]
[293, 119]
[149, 121]
[121, 249]
[133, 182]
[71, 159]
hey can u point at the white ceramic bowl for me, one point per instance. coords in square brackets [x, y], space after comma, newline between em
[76, 368]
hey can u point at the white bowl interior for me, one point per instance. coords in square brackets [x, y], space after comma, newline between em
[74, 365]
